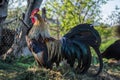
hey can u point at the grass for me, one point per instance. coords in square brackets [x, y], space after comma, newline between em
[25, 68]
[106, 43]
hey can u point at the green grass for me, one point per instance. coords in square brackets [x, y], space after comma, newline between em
[12, 70]
[25, 68]
[106, 43]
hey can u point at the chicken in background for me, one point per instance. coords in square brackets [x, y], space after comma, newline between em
[113, 51]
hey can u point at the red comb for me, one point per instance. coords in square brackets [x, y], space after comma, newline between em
[34, 11]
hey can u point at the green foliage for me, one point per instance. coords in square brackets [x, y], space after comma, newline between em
[105, 32]
[73, 12]
[106, 43]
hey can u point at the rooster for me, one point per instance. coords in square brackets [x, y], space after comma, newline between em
[73, 46]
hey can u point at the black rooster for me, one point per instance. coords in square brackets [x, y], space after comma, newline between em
[75, 45]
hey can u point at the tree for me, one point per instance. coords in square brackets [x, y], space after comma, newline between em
[20, 42]
[114, 18]
[73, 12]
[3, 14]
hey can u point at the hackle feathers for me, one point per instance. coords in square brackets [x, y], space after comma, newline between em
[40, 27]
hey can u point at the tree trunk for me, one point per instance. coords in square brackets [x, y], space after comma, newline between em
[3, 14]
[19, 42]
[0, 34]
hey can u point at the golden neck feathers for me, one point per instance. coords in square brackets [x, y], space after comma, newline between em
[40, 28]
